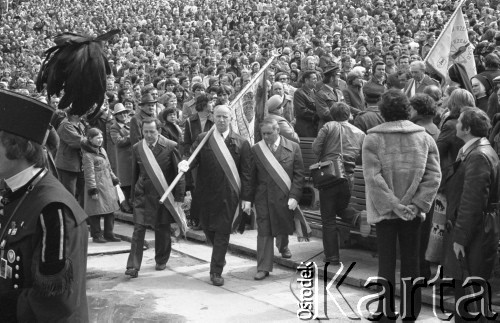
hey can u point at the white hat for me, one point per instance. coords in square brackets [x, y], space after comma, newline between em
[118, 108]
[274, 103]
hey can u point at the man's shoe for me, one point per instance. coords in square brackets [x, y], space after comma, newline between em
[260, 275]
[160, 266]
[286, 253]
[99, 239]
[216, 279]
[364, 227]
[132, 272]
[332, 261]
[112, 238]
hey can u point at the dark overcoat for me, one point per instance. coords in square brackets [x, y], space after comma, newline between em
[120, 135]
[147, 209]
[271, 203]
[306, 119]
[214, 201]
[473, 187]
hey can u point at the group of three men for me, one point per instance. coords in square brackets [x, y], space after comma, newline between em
[231, 175]
[43, 232]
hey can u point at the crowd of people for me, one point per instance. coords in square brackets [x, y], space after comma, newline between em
[349, 74]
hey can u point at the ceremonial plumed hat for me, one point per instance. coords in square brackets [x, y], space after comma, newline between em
[24, 116]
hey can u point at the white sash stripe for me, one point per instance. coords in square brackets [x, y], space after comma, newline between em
[44, 237]
[61, 232]
[228, 157]
[276, 165]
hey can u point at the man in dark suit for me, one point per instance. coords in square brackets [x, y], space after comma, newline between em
[419, 79]
[147, 174]
[223, 179]
[275, 202]
[472, 195]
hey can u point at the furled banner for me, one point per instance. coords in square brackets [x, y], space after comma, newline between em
[248, 107]
[453, 46]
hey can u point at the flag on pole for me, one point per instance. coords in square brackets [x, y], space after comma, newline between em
[248, 106]
[452, 46]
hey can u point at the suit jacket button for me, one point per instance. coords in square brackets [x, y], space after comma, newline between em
[16, 287]
[16, 276]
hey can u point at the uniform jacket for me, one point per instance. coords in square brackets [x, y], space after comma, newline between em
[286, 129]
[325, 98]
[213, 199]
[120, 134]
[37, 290]
[306, 119]
[147, 209]
[400, 166]
[192, 129]
[369, 118]
[270, 201]
[473, 189]
[135, 126]
[68, 156]
[100, 180]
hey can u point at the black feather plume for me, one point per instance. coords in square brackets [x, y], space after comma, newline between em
[76, 64]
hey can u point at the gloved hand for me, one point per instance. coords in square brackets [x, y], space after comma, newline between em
[183, 166]
[292, 204]
[246, 207]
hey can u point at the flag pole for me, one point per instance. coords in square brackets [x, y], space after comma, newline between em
[209, 133]
[459, 7]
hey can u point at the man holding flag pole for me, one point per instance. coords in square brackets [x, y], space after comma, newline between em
[224, 170]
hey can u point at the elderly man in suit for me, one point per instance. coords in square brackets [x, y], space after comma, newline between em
[154, 160]
[471, 239]
[419, 80]
[223, 180]
[277, 180]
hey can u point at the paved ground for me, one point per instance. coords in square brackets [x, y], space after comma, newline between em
[182, 293]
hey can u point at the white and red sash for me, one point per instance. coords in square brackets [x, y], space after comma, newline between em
[160, 182]
[225, 159]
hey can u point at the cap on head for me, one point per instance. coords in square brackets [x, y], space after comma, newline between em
[274, 103]
[24, 116]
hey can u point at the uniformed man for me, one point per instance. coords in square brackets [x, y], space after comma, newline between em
[43, 233]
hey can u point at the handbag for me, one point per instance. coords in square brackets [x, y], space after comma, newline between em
[328, 173]
[435, 246]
